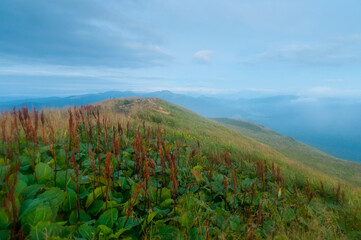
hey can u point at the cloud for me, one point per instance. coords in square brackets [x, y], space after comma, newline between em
[262, 90]
[328, 92]
[193, 90]
[335, 52]
[203, 56]
[93, 72]
[79, 33]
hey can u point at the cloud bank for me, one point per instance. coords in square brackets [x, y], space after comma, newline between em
[203, 56]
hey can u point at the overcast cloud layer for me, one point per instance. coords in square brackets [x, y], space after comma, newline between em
[240, 48]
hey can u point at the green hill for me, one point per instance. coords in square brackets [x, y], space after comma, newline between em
[148, 169]
[304, 154]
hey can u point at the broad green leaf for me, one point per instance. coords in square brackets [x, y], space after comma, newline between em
[4, 219]
[148, 219]
[166, 203]
[91, 197]
[46, 230]
[73, 218]
[29, 205]
[30, 191]
[4, 234]
[166, 193]
[235, 223]
[22, 177]
[44, 173]
[70, 200]
[123, 182]
[94, 209]
[54, 196]
[38, 213]
[132, 222]
[165, 232]
[118, 233]
[104, 230]
[108, 218]
[25, 160]
[87, 231]
[20, 187]
[60, 179]
[197, 233]
[110, 204]
[3, 170]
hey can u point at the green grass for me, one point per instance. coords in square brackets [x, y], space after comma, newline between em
[152, 170]
[341, 170]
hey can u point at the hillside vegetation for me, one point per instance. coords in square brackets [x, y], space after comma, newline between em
[147, 169]
[345, 171]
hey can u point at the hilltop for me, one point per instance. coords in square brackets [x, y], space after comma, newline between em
[140, 168]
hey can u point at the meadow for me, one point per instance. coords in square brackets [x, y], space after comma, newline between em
[147, 169]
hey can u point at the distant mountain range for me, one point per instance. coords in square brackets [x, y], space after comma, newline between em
[331, 125]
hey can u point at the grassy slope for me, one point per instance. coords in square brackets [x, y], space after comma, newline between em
[217, 136]
[254, 209]
[306, 155]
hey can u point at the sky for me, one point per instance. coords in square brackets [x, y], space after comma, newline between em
[222, 48]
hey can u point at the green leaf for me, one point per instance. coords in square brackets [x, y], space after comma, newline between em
[60, 179]
[46, 230]
[4, 234]
[148, 219]
[70, 200]
[166, 193]
[3, 170]
[94, 209]
[185, 220]
[235, 223]
[22, 177]
[166, 203]
[97, 192]
[117, 234]
[197, 233]
[30, 191]
[110, 204]
[39, 212]
[54, 196]
[20, 186]
[87, 232]
[123, 182]
[104, 230]
[29, 205]
[4, 219]
[165, 232]
[108, 218]
[73, 218]
[132, 222]
[44, 173]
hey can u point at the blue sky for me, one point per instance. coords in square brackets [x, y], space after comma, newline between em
[229, 48]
